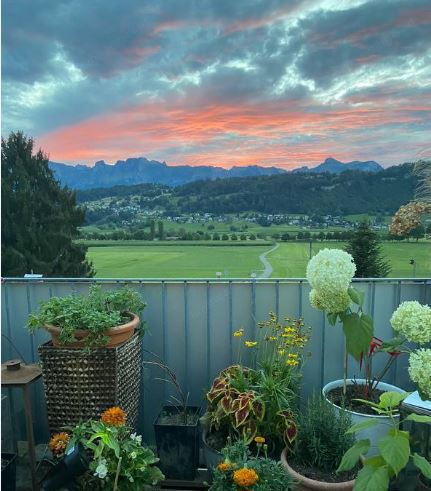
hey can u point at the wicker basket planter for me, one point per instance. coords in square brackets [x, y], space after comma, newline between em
[81, 383]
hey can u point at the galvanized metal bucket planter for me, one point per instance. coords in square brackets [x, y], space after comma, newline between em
[376, 432]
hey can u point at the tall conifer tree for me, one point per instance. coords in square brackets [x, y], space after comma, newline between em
[40, 219]
[365, 247]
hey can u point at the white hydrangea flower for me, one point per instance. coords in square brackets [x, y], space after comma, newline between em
[330, 302]
[420, 371]
[331, 270]
[414, 321]
[101, 469]
[133, 455]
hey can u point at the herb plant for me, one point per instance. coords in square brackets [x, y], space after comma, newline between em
[322, 440]
[95, 313]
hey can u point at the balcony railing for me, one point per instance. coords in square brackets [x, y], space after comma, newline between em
[191, 322]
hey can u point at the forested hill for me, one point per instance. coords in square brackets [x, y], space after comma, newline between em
[337, 194]
[347, 193]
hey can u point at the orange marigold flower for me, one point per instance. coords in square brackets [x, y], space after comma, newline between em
[259, 439]
[245, 477]
[223, 466]
[58, 443]
[114, 416]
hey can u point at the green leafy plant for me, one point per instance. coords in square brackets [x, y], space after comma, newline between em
[244, 401]
[240, 470]
[322, 440]
[394, 448]
[95, 313]
[118, 460]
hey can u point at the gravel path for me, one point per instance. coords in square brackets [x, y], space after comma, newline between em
[266, 264]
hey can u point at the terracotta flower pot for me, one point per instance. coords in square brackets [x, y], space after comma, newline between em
[307, 484]
[117, 334]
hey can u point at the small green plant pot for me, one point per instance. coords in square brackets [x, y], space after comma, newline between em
[177, 443]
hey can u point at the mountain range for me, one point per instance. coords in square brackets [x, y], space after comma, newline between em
[141, 170]
[336, 167]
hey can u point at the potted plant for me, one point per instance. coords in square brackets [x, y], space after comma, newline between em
[244, 402]
[240, 470]
[330, 273]
[8, 471]
[116, 458]
[319, 447]
[380, 472]
[103, 318]
[177, 430]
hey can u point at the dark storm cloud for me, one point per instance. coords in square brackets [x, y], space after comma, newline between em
[336, 43]
[66, 63]
[103, 37]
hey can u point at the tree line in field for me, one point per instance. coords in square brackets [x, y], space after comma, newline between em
[156, 231]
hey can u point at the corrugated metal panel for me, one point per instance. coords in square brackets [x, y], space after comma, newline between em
[191, 322]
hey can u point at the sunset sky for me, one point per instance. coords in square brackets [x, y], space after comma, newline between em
[219, 82]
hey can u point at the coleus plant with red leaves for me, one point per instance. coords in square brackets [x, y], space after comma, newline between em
[243, 412]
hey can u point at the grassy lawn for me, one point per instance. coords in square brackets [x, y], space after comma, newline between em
[201, 260]
[290, 259]
[175, 261]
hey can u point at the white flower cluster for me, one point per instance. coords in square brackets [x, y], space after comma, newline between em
[330, 273]
[414, 321]
[101, 469]
[136, 438]
[420, 371]
[330, 302]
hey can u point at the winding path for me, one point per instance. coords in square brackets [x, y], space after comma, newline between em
[266, 264]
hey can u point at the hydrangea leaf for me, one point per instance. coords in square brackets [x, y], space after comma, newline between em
[359, 332]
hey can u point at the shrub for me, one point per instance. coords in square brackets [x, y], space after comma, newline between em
[321, 441]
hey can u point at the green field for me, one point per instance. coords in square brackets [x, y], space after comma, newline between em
[176, 261]
[197, 260]
[290, 259]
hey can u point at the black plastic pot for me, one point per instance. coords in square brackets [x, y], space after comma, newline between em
[177, 445]
[72, 465]
[8, 471]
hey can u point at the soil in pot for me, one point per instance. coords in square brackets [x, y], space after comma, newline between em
[177, 439]
[354, 391]
[178, 418]
[319, 475]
